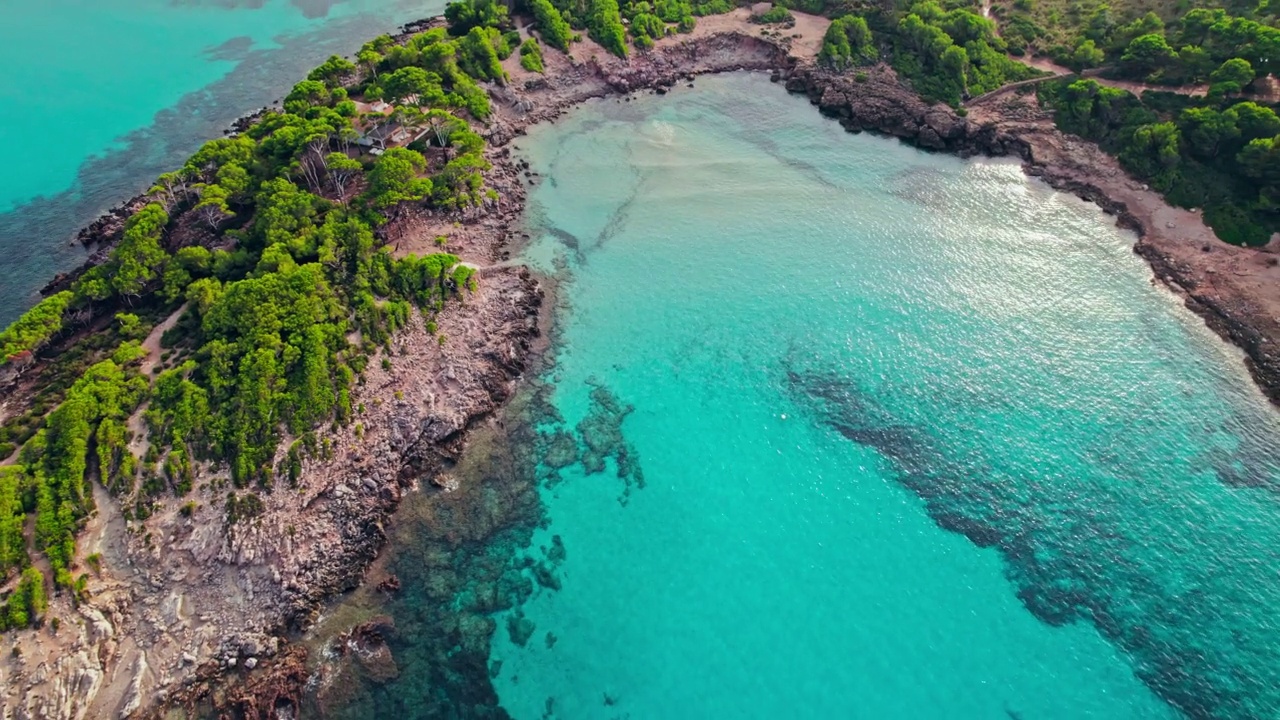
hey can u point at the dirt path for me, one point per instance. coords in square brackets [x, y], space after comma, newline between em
[1056, 71]
[1137, 88]
[137, 429]
[152, 343]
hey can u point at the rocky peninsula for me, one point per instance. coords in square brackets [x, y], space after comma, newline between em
[189, 615]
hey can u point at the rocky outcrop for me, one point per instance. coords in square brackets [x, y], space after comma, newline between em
[1235, 319]
[876, 101]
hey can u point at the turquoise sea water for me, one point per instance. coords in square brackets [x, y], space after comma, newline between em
[103, 95]
[836, 428]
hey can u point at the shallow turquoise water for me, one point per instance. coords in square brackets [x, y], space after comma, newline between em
[101, 96]
[835, 346]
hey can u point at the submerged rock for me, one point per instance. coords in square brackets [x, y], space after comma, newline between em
[520, 628]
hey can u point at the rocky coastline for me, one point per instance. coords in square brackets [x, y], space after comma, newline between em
[1235, 290]
[204, 626]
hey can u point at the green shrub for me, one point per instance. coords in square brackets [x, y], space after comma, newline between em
[555, 31]
[775, 14]
[531, 60]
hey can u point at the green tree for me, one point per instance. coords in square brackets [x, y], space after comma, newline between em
[604, 21]
[955, 65]
[172, 187]
[1255, 121]
[531, 56]
[187, 264]
[1154, 152]
[343, 171]
[214, 154]
[1196, 24]
[551, 25]
[28, 602]
[306, 94]
[1086, 55]
[214, 207]
[35, 328]
[479, 51]
[1147, 54]
[467, 14]
[1207, 130]
[1260, 161]
[1148, 24]
[394, 178]
[13, 544]
[138, 259]
[333, 71]
[1231, 77]
[410, 82]
[848, 41]
[645, 28]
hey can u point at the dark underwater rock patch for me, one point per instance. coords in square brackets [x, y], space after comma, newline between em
[1064, 554]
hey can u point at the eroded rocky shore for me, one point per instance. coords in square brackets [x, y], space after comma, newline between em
[196, 614]
[1235, 289]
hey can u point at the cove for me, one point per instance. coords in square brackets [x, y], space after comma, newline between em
[120, 91]
[807, 322]
[831, 427]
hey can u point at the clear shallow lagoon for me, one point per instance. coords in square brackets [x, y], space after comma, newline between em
[104, 95]
[807, 353]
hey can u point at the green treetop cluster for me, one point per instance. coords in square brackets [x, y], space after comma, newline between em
[531, 56]
[947, 54]
[34, 329]
[605, 21]
[263, 352]
[1219, 155]
[27, 603]
[952, 54]
[1176, 43]
[847, 42]
[551, 24]
[1216, 151]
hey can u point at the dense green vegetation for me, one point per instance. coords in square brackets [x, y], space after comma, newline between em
[27, 603]
[1214, 152]
[848, 42]
[463, 16]
[531, 56]
[946, 54]
[1175, 43]
[952, 54]
[1217, 151]
[13, 508]
[551, 24]
[283, 269]
[1219, 155]
[603, 20]
[35, 328]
